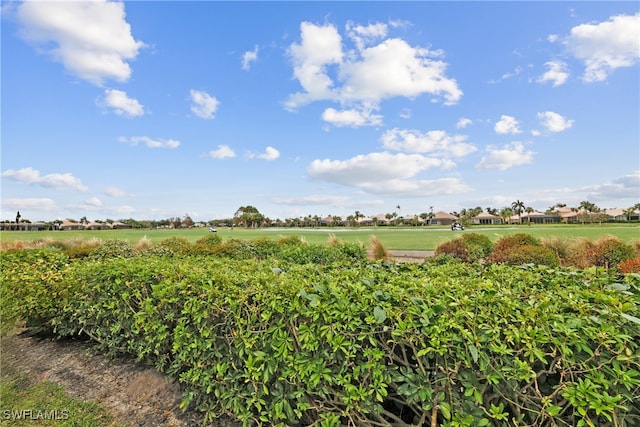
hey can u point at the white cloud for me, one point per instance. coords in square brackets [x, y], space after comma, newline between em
[122, 104]
[463, 123]
[222, 152]
[204, 105]
[361, 170]
[554, 122]
[556, 73]
[29, 204]
[149, 142]
[365, 35]
[248, 57]
[627, 186]
[507, 125]
[311, 200]
[92, 39]
[508, 156]
[270, 153]
[437, 142]
[417, 188]
[116, 192]
[361, 78]
[605, 46]
[53, 180]
[353, 117]
[93, 202]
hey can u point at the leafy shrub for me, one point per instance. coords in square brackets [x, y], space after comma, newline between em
[478, 246]
[470, 247]
[177, 245]
[561, 247]
[610, 251]
[453, 344]
[207, 244]
[582, 253]
[630, 265]
[32, 288]
[454, 248]
[112, 249]
[81, 251]
[520, 249]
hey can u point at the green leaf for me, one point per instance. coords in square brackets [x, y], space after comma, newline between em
[630, 318]
[446, 410]
[474, 352]
[379, 314]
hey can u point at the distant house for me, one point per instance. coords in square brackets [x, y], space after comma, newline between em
[536, 217]
[24, 226]
[96, 226]
[486, 218]
[443, 218]
[68, 225]
[617, 214]
[120, 225]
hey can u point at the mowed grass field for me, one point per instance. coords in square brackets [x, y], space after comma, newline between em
[393, 238]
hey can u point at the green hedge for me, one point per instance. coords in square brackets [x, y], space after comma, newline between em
[276, 342]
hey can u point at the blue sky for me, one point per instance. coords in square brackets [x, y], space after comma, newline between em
[152, 110]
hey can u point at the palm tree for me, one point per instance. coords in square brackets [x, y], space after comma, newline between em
[529, 210]
[518, 208]
[505, 214]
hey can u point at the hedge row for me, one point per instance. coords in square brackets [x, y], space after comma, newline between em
[521, 248]
[276, 343]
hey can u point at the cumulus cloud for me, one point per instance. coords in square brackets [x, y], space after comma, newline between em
[29, 204]
[373, 168]
[437, 142]
[149, 142]
[121, 103]
[605, 46]
[92, 39]
[353, 118]
[463, 123]
[116, 192]
[377, 68]
[53, 180]
[627, 186]
[93, 202]
[556, 73]
[222, 152]
[203, 105]
[417, 188]
[269, 154]
[248, 57]
[554, 122]
[507, 125]
[508, 156]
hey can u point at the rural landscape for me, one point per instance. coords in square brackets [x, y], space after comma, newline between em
[320, 214]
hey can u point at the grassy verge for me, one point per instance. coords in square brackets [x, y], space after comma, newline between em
[394, 238]
[26, 401]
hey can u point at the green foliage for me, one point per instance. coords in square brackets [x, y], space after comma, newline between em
[176, 245]
[611, 251]
[308, 340]
[111, 249]
[523, 249]
[470, 247]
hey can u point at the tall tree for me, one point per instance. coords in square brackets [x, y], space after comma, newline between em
[518, 208]
[249, 216]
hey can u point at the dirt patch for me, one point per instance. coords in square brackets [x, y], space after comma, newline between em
[134, 395]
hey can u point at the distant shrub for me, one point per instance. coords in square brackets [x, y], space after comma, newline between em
[177, 245]
[478, 246]
[523, 248]
[144, 244]
[207, 244]
[631, 265]
[455, 249]
[561, 247]
[115, 248]
[291, 240]
[84, 251]
[581, 253]
[235, 249]
[611, 251]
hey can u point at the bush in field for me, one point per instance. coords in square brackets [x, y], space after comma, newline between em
[206, 245]
[630, 265]
[611, 251]
[582, 253]
[522, 248]
[378, 250]
[454, 248]
[561, 247]
[176, 245]
[470, 247]
[112, 249]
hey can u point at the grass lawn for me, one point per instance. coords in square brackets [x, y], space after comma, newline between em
[394, 238]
